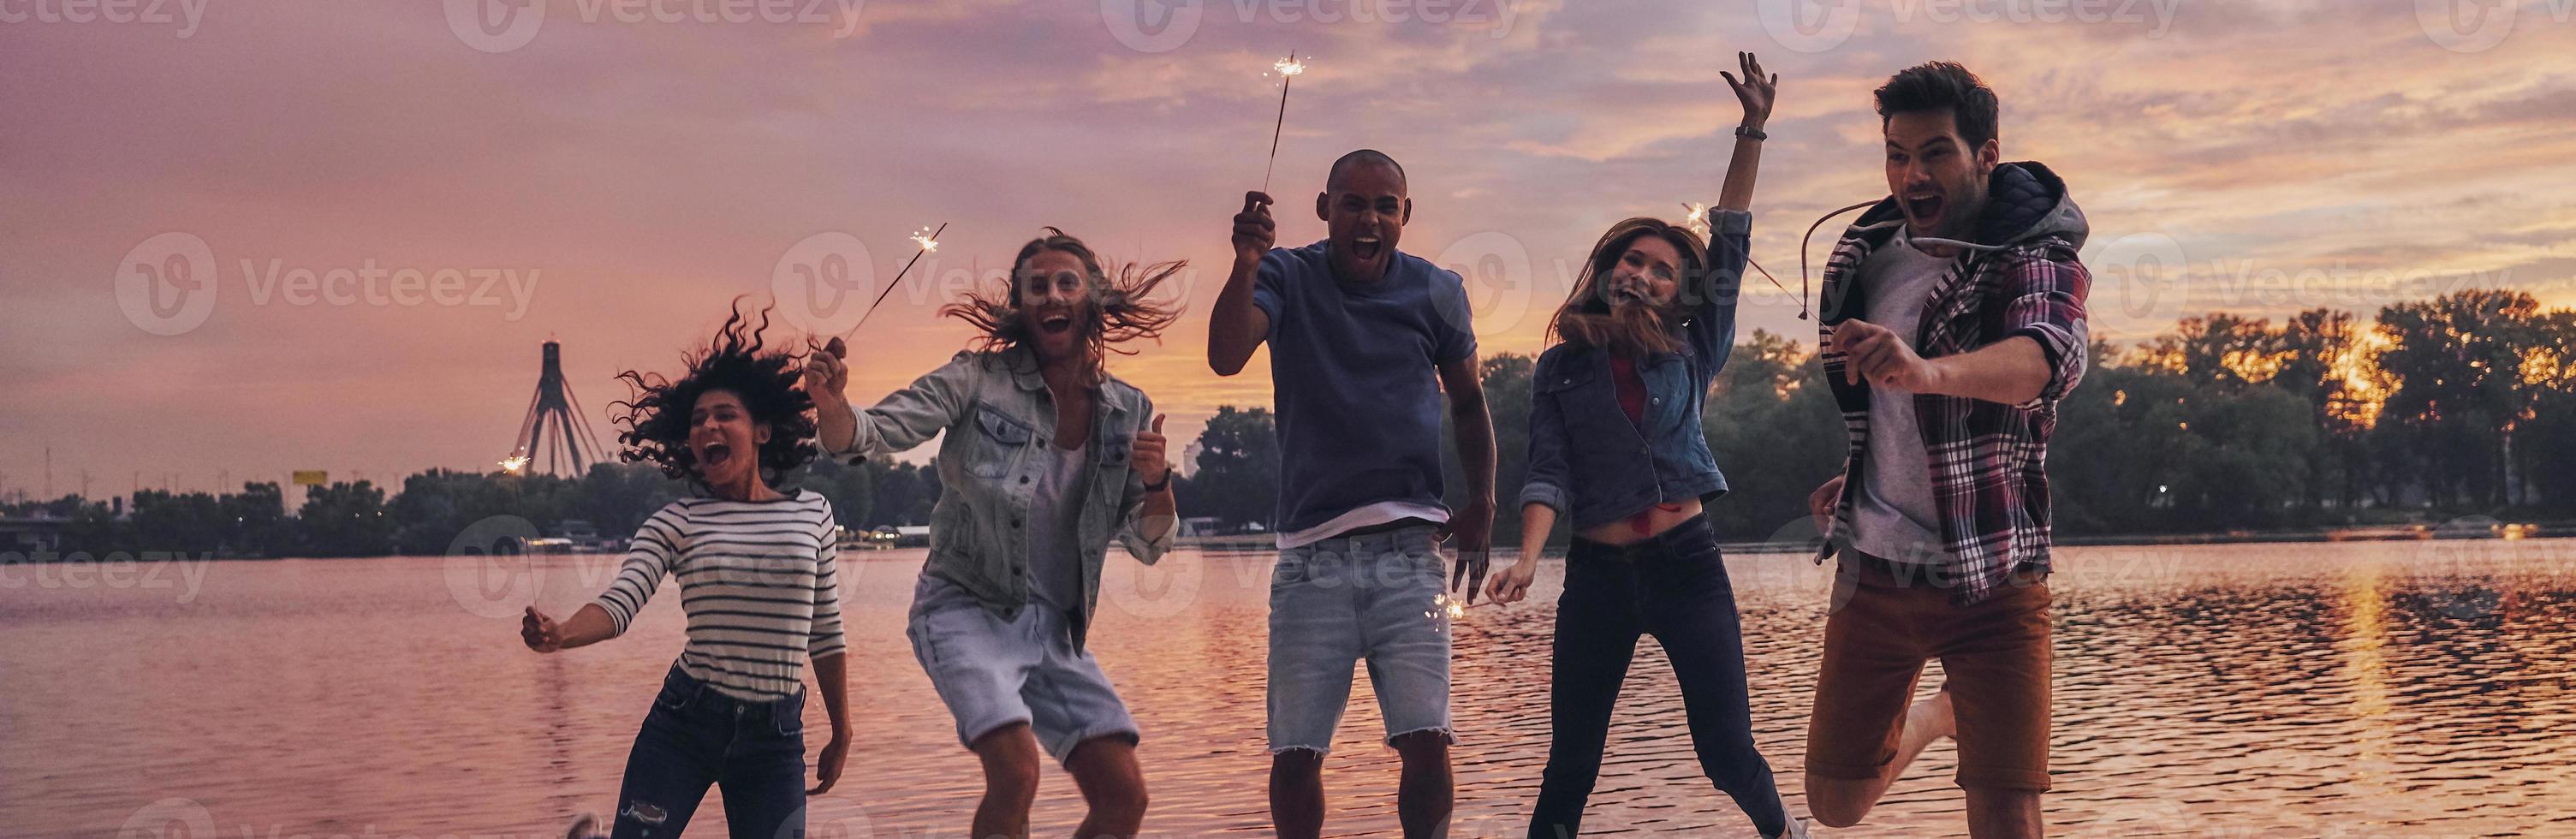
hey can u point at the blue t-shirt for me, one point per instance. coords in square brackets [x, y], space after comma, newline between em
[1354, 370]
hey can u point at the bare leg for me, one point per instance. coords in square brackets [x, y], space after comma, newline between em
[1424, 798]
[1842, 802]
[1297, 794]
[1010, 756]
[1112, 784]
[2004, 814]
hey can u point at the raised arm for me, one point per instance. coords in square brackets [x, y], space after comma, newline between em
[1731, 221]
[1755, 92]
[904, 419]
[1237, 325]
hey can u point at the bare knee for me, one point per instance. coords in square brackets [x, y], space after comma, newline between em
[1837, 802]
[1296, 764]
[1422, 748]
[1125, 798]
[1010, 756]
[1112, 782]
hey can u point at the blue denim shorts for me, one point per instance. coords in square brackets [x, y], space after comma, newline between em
[993, 672]
[1334, 603]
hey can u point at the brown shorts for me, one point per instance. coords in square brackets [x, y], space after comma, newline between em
[1882, 631]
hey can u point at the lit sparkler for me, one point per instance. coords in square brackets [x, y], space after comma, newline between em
[1288, 69]
[1695, 217]
[1452, 608]
[928, 239]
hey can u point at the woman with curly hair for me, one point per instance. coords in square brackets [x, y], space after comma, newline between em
[1615, 445]
[1047, 458]
[757, 579]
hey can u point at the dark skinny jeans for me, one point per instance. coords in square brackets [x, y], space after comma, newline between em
[1672, 586]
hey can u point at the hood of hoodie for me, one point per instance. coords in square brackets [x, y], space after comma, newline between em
[2024, 201]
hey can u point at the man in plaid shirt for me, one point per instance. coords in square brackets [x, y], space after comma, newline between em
[1953, 321]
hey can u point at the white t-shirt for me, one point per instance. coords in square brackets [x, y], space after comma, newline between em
[1055, 507]
[1895, 516]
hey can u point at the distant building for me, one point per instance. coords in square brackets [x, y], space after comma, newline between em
[31, 535]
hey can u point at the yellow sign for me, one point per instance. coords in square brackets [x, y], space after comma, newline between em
[311, 477]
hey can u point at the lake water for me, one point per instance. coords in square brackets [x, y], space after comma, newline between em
[2378, 689]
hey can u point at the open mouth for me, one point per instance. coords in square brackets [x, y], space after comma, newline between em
[715, 454]
[1624, 295]
[1055, 323]
[1923, 207]
[1366, 248]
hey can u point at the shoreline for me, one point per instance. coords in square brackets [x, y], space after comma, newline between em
[2378, 533]
[1261, 543]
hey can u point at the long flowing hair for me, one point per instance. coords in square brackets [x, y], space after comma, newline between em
[656, 413]
[1588, 319]
[1121, 307]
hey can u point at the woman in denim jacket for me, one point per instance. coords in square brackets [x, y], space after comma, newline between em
[1615, 441]
[1047, 458]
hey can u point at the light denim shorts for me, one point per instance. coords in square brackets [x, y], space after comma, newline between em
[1336, 602]
[993, 672]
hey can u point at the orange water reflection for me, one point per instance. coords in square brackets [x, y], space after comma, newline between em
[2353, 689]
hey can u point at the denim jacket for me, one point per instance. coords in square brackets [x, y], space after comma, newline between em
[1586, 459]
[997, 413]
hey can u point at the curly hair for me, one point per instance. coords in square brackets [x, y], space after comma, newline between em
[1588, 319]
[656, 416]
[1120, 306]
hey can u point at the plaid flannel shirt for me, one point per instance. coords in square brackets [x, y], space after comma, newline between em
[1989, 461]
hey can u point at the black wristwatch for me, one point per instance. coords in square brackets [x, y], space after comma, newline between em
[1158, 487]
[1750, 133]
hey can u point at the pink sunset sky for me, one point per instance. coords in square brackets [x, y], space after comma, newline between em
[637, 165]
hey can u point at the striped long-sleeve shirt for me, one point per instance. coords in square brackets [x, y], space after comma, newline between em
[758, 580]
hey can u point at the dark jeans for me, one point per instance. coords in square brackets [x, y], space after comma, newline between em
[696, 736]
[1674, 587]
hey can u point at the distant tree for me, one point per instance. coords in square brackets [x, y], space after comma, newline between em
[850, 489]
[2121, 444]
[254, 521]
[2457, 365]
[345, 519]
[2545, 440]
[1506, 379]
[616, 498]
[1776, 434]
[2221, 351]
[189, 522]
[905, 493]
[1237, 479]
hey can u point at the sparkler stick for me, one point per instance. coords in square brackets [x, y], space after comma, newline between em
[1288, 69]
[1695, 217]
[929, 241]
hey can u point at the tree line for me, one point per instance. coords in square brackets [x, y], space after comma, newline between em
[2463, 404]
[432, 508]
